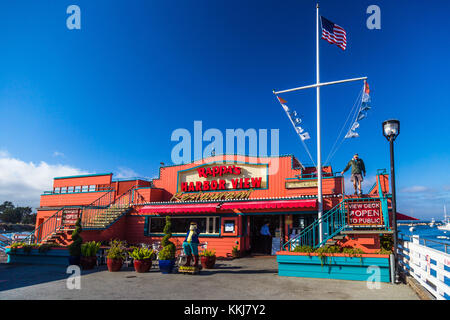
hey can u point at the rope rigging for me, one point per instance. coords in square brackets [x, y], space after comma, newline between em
[354, 111]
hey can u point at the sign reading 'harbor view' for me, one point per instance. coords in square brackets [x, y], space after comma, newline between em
[365, 213]
[223, 177]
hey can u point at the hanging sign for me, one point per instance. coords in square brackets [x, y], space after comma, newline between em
[293, 184]
[210, 196]
[367, 213]
[70, 216]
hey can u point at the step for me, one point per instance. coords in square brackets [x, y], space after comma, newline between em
[338, 237]
[331, 242]
[367, 232]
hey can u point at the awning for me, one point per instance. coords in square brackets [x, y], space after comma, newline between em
[180, 208]
[269, 204]
[401, 216]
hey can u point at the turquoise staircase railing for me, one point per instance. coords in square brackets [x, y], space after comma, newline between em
[333, 222]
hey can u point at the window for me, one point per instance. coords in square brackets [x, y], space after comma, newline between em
[57, 190]
[206, 225]
[84, 188]
[78, 189]
[64, 190]
[92, 188]
[228, 226]
[69, 189]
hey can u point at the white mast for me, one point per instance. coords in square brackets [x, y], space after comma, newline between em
[317, 85]
[319, 151]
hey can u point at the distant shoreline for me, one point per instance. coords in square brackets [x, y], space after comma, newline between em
[15, 227]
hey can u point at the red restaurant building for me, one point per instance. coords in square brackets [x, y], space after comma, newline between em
[230, 198]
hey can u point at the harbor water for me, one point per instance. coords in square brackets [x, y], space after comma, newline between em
[426, 232]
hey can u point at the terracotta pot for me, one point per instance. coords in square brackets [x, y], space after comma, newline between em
[114, 265]
[88, 263]
[142, 266]
[208, 262]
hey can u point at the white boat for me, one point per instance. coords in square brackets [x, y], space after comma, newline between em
[446, 222]
[431, 224]
[412, 229]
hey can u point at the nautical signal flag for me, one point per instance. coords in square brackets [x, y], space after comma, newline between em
[333, 33]
[296, 121]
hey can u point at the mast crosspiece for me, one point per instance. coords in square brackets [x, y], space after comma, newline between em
[317, 85]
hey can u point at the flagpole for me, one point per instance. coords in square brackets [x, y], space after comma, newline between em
[319, 153]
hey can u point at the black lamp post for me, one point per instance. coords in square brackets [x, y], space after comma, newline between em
[391, 129]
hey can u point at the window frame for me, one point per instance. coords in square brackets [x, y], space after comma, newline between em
[206, 233]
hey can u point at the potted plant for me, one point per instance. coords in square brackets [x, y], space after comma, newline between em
[208, 259]
[167, 254]
[235, 252]
[89, 254]
[115, 255]
[142, 259]
[75, 246]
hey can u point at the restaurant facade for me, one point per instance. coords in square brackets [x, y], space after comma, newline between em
[229, 197]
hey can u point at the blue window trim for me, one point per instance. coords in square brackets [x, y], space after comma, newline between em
[159, 234]
[62, 193]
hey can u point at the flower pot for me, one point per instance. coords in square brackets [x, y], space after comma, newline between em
[88, 263]
[74, 260]
[142, 265]
[166, 266]
[208, 262]
[114, 265]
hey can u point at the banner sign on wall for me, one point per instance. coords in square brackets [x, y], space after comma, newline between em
[70, 216]
[367, 213]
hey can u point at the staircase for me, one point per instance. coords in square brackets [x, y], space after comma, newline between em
[334, 222]
[98, 215]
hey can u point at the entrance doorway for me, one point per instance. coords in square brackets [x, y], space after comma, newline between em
[256, 239]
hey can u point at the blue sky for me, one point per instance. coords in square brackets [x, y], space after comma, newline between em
[107, 98]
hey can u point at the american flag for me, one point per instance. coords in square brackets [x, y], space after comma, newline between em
[333, 33]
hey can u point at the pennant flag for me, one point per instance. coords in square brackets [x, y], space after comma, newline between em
[366, 97]
[305, 136]
[362, 113]
[361, 116]
[333, 33]
[351, 134]
[292, 115]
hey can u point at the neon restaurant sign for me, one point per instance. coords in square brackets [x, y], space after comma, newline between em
[220, 182]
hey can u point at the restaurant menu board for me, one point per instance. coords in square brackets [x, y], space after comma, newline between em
[366, 213]
[70, 216]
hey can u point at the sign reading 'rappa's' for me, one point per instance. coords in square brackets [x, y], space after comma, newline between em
[223, 177]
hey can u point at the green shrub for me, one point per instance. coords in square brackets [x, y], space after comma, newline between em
[44, 248]
[386, 242]
[141, 253]
[168, 250]
[75, 246]
[208, 253]
[117, 250]
[306, 249]
[384, 251]
[89, 249]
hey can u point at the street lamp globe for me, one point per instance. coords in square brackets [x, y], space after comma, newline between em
[391, 129]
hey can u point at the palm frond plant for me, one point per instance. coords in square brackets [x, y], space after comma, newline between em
[142, 259]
